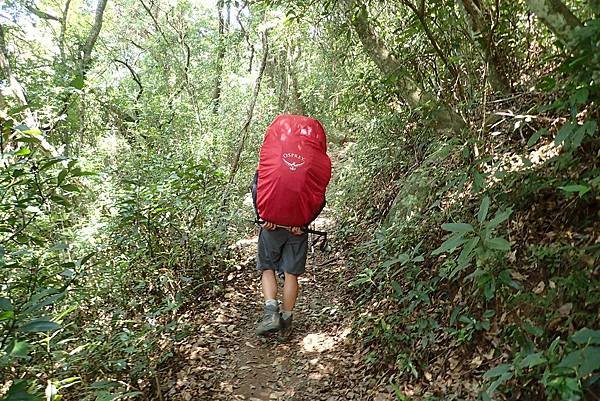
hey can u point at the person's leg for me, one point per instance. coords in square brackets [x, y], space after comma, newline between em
[293, 264]
[271, 317]
[268, 258]
[269, 284]
[290, 292]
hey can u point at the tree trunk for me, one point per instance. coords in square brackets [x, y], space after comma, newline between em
[479, 20]
[421, 14]
[244, 131]
[63, 30]
[19, 93]
[385, 60]
[13, 83]
[408, 88]
[93, 35]
[556, 16]
[216, 95]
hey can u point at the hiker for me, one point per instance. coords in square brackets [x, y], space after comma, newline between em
[288, 194]
[285, 250]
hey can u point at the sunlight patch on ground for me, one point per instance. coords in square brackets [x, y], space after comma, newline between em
[322, 342]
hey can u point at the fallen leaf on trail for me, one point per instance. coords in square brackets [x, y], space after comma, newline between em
[539, 288]
[565, 310]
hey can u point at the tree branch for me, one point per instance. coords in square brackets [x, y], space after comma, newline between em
[94, 32]
[156, 24]
[135, 77]
[246, 36]
[39, 13]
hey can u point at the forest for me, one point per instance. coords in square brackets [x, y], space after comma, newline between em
[463, 212]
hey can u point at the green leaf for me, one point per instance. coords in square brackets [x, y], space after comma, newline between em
[450, 244]
[485, 397]
[583, 362]
[397, 288]
[571, 361]
[499, 218]
[19, 391]
[536, 136]
[582, 189]
[579, 97]
[458, 227]
[476, 274]
[24, 129]
[533, 360]
[498, 243]
[455, 311]
[547, 84]
[489, 290]
[18, 349]
[50, 163]
[23, 152]
[498, 382]
[489, 313]
[39, 325]
[483, 209]
[590, 127]
[564, 133]
[586, 336]
[40, 302]
[590, 361]
[497, 371]
[70, 188]
[7, 315]
[61, 176]
[478, 181]
[533, 329]
[5, 304]
[578, 137]
[87, 257]
[466, 253]
[78, 82]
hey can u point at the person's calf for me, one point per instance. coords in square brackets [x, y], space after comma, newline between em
[269, 284]
[290, 292]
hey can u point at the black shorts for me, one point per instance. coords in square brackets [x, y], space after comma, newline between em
[281, 250]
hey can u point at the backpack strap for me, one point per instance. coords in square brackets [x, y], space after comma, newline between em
[254, 190]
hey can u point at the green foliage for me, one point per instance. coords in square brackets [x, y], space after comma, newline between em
[565, 369]
[479, 242]
[39, 197]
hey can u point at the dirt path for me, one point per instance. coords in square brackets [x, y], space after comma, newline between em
[222, 358]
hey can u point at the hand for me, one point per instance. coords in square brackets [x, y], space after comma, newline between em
[269, 226]
[296, 230]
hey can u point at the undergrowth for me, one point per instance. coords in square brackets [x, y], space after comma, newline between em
[475, 257]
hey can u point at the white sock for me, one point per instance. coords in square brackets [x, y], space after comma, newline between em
[271, 302]
[286, 314]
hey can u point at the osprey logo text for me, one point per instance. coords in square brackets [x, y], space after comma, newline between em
[295, 162]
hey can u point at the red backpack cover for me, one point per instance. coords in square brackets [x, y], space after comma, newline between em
[293, 171]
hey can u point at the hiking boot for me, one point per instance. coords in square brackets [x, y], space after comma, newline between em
[286, 327]
[270, 322]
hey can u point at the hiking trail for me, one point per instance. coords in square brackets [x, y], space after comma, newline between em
[223, 359]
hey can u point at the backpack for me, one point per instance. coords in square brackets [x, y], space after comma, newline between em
[293, 172]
